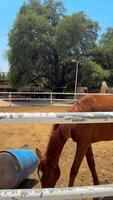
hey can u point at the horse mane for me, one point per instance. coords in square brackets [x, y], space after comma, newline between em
[59, 135]
[84, 104]
[90, 103]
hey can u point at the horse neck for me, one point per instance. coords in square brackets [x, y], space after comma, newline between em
[56, 143]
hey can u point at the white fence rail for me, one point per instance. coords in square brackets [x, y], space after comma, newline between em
[58, 193]
[50, 97]
[66, 117]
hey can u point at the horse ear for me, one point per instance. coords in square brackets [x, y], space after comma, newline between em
[39, 154]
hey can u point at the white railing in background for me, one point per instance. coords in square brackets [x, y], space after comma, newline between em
[58, 193]
[51, 97]
[12, 97]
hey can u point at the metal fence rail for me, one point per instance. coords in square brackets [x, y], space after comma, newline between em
[58, 193]
[51, 97]
[66, 117]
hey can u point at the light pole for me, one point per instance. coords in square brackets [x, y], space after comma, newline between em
[76, 77]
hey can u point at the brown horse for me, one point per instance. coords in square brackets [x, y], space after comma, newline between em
[82, 134]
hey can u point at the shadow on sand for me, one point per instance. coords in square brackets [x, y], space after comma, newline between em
[28, 183]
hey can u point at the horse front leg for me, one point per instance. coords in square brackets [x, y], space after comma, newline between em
[79, 155]
[91, 164]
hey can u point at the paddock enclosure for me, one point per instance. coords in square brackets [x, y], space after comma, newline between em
[32, 135]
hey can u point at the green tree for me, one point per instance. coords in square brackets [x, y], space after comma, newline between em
[32, 52]
[76, 35]
[92, 74]
[107, 37]
[103, 53]
[43, 42]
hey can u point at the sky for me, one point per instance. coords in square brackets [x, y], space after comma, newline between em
[97, 10]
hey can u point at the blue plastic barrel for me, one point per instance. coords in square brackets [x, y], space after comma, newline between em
[15, 166]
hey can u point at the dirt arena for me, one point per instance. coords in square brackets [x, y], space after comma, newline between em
[32, 135]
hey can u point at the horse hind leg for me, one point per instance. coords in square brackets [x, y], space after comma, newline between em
[79, 155]
[91, 164]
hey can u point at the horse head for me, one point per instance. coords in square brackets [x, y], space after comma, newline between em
[48, 172]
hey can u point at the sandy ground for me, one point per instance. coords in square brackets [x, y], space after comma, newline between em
[4, 103]
[32, 135]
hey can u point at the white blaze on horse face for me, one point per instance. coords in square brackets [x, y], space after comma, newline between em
[40, 174]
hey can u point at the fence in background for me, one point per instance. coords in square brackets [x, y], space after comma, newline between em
[36, 98]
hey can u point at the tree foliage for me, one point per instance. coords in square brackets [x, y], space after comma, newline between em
[93, 74]
[103, 54]
[43, 42]
[76, 34]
